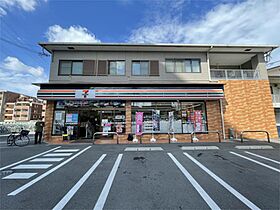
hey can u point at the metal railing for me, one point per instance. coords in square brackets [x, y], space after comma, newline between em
[100, 133]
[257, 131]
[235, 74]
[275, 98]
[205, 132]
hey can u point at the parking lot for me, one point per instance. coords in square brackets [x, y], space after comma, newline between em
[155, 176]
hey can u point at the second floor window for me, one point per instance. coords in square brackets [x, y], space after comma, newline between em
[117, 68]
[182, 65]
[71, 68]
[140, 68]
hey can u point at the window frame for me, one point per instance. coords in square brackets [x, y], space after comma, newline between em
[71, 72]
[173, 60]
[140, 75]
[109, 61]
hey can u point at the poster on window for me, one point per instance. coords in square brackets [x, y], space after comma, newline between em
[156, 120]
[198, 120]
[139, 123]
[72, 118]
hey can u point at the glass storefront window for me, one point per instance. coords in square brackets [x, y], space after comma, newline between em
[58, 122]
[187, 116]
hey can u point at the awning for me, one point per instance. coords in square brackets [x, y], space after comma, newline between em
[132, 93]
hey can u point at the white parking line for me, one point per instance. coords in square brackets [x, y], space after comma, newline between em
[20, 189]
[200, 148]
[255, 161]
[46, 160]
[265, 158]
[194, 183]
[254, 147]
[8, 166]
[58, 155]
[77, 186]
[20, 176]
[66, 150]
[224, 184]
[103, 196]
[142, 149]
[32, 166]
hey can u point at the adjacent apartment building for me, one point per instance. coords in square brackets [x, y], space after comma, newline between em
[6, 97]
[22, 108]
[156, 89]
[274, 79]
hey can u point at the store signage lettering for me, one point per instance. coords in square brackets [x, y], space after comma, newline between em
[85, 94]
[139, 123]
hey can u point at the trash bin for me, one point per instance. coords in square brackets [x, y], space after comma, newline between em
[231, 133]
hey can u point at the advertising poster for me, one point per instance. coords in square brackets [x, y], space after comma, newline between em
[171, 121]
[139, 123]
[198, 120]
[72, 118]
[156, 120]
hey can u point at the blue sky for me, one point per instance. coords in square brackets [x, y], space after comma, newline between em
[26, 22]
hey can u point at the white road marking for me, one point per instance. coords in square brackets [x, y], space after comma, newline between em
[58, 155]
[194, 183]
[20, 176]
[77, 186]
[265, 158]
[200, 148]
[32, 166]
[254, 147]
[105, 191]
[20, 189]
[66, 150]
[46, 160]
[255, 161]
[224, 184]
[134, 149]
[28, 158]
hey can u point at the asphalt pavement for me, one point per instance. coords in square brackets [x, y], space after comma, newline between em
[163, 176]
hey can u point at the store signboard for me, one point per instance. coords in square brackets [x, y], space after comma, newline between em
[72, 118]
[85, 94]
[139, 123]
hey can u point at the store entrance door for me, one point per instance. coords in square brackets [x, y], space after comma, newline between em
[89, 123]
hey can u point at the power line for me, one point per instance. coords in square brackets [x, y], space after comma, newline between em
[23, 47]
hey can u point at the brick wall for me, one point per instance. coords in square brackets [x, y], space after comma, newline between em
[248, 106]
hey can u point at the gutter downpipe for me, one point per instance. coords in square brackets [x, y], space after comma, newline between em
[208, 63]
[222, 116]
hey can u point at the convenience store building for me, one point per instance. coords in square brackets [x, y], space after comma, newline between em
[169, 87]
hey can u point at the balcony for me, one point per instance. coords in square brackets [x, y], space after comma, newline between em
[234, 74]
[276, 100]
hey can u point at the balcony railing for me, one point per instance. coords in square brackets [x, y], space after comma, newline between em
[275, 98]
[235, 74]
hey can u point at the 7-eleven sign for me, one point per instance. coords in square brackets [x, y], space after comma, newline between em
[85, 94]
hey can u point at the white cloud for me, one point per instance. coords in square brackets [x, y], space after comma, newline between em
[249, 22]
[56, 33]
[18, 77]
[26, 5]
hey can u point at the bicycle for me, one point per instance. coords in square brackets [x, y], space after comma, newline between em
[18, 139]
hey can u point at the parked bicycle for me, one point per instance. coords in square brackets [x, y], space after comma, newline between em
[18, 139]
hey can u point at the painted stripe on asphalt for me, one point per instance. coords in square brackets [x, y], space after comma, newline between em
[58, 155]
[238, 195]
[265, 158]
[194, 183]
[77, 186]
[255, 161]
[32, 166]
[20, 176]
[134, 149]
[105, 191]
[20, 189]
[46, 160]
[200, 148]
[66, 150]
[28, 158]
[254, 147]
